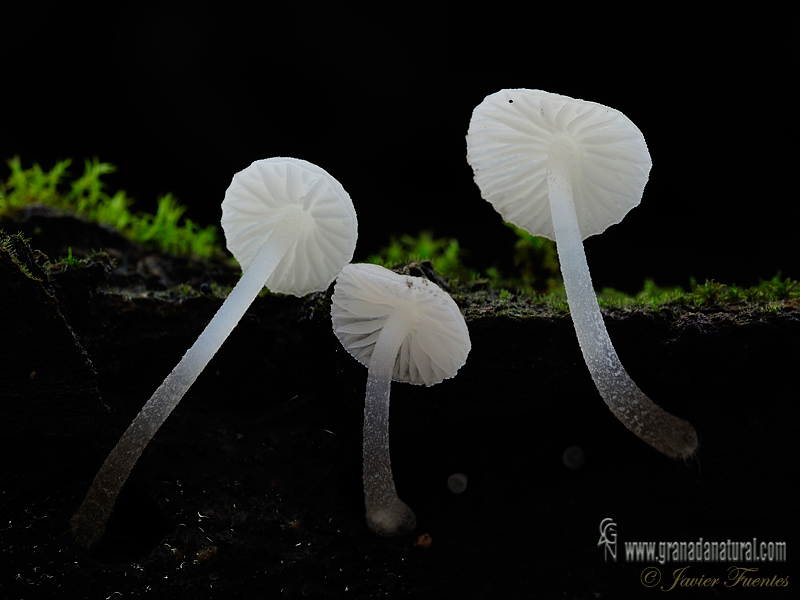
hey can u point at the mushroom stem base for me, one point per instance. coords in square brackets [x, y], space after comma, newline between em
[89, 522]
[668, 434]
[386, 513]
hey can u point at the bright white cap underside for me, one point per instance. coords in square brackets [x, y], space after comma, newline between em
[509, 137]
[307, 198]
[437, 342]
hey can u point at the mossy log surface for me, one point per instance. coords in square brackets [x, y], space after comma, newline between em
[252, 489]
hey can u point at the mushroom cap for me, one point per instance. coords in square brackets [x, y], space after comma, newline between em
[437, 341]
[268, 191]
[508, 141]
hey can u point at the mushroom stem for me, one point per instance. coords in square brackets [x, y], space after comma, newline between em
[89, 522]
[386, 513]
[672, 436]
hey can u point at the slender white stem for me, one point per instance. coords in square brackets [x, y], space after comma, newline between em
[668, 434]
[386, 513]
[89, 523]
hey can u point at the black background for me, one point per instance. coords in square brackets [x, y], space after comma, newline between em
[182, 98]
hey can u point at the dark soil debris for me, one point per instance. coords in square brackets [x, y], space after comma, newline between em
[252, 489]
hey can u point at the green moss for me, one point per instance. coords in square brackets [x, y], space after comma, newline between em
[73, 263]
[69, 261]
[534, 286]
[537, 285]
[707, 294]
[537, 271]
[536, 260]
[16, 246]
[444, 254]
[168, 230]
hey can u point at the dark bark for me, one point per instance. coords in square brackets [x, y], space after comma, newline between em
[253, 487]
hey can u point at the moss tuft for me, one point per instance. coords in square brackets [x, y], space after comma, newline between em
[168, 230]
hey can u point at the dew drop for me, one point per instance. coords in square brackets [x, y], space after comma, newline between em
[573, 457]
[457, 482]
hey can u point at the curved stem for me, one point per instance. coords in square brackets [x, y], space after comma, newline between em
[668, 434]
[386, 513]
[89, 523]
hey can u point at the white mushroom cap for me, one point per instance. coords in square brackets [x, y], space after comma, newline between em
[304, 197]
[437, 342]
[508, 140]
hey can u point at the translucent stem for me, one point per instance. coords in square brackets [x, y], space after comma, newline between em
[386, 513]
[89, 523]
[668, 434]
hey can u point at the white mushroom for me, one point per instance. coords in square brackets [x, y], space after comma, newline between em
[403, 329]
[292, 227]
[566, 169]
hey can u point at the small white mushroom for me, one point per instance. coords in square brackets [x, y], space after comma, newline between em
[292, 227]
[403, 329]
[567, 169]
